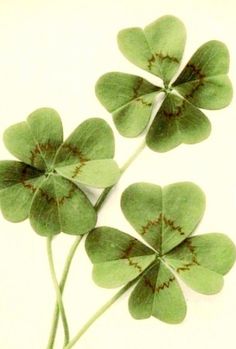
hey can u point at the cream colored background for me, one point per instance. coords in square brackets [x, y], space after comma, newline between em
[51, 54]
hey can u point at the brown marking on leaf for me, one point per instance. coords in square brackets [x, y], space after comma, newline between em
[190, 246]
[194, 89]
[194, 261]
[150, 224]
[41, 147]
[144, 102]
[186, 266]
[135, 265]
[161, 218]
[77, 169]
[26, 171]
[57, 201]
[197, 71]
[165, 284]
[68, 196]
[128, 250]
[199, 77]
[29, 186]
[75, 151]
[151, 61]
[162, 57]
[159, 288]
[137, 87]
[148, 283]
[34, 153]
[177, 112]
[170, 223]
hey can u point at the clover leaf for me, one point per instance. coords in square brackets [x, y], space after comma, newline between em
[165, 218]
[203, 83]
[43, 185]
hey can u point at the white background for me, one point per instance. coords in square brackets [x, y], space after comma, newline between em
[51, 54]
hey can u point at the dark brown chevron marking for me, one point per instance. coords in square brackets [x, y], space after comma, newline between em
[135, 265]
[162, 57]
[176, 113]
[199, 78]
[39, 148]
[161, 218]
[194, 261]
[160, 287]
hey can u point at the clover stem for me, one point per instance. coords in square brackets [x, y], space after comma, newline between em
[123, 168]
[57, 290]
[72, 251]
[105, 307]
[98, 314]
[133, 156]
[102, 198]
[65, 272]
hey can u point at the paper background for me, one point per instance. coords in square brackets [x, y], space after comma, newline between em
[51, 54]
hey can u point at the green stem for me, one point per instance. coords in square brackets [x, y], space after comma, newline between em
[98, 314]
[106, 306]
[97, 207]
[57, 290]
[55, 319]
[133, 156]
[102, 198]
[123, 168]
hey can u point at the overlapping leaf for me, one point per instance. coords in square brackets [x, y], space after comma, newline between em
[36, 187]
[176, 122]
[18, 183]
[86, 156]
[204, 81]
[36, 140]
[164, 218]
[158, 48]
[91, 140]
[129, 98]
[96, 173]
[118, 258]
[59, 205]
[202, 260]
[158, 294]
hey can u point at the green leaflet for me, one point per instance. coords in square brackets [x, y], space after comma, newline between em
[176, 122]
[18, 183]
[201, 280]
[60, 206]
[201, 260]
[213, 251]
[158, 294]
[36, 188]
[95, 173]
[129, 98]
[36, 140]
[163, 217]
[115, 89]
[118, 258]
[132, 119]
[158, 48]
[204, 81]
[85, 157]
[91, 140]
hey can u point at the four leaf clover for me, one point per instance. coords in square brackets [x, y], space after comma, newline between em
[46, 184]
[203, 83]
[43, 184]
[164, 218]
